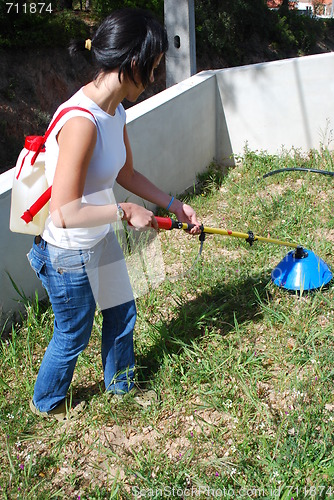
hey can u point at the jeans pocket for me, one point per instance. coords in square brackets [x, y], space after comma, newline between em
[35, 263]
[71, 261]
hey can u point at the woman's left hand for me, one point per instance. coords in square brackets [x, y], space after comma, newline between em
[185, 213]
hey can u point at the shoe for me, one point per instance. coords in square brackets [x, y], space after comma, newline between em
[62, 412]
[142, 397]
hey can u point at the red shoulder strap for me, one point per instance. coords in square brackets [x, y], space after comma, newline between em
[54, 123]
[30, 213]
[61, 114]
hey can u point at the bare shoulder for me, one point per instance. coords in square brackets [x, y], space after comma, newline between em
[78, 129]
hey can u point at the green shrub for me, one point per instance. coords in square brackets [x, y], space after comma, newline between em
[103, 7]
[237, 29]
[34, 29]
[231, 29]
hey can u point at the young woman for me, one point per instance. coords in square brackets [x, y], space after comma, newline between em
[77, 257]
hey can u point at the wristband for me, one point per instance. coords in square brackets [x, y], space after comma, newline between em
[169, 204]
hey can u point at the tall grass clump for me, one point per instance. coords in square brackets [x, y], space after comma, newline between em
[243, 370]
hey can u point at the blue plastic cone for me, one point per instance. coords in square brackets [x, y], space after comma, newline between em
[301, 270]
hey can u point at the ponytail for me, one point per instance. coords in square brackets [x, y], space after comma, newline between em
[76, 46]
[124, 37]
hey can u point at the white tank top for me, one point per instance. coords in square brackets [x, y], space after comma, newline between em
[108, 158]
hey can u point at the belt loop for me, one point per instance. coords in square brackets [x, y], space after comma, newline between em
[40, 242]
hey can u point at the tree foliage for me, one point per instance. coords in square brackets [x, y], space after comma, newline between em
[228, 29]
[235, 29]
[103, 7]
[27, 24]
[226, 26]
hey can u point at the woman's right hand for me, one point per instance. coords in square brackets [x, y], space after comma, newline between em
[138, 216]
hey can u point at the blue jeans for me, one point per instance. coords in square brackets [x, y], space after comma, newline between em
[75, 281]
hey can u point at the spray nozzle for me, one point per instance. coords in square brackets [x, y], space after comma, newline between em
[300, 253]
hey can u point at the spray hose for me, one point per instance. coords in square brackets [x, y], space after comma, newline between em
[299, 169]
[250, 237]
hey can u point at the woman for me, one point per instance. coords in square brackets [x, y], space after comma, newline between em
[78, 258]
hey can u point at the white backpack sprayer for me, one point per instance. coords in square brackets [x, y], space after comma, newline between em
[30, 190]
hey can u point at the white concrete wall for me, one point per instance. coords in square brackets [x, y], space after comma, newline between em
[173, 134]
[212, 115]
[286, 103]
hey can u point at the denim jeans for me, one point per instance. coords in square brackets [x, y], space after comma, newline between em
[75, 281]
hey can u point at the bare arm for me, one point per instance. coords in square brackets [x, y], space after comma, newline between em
[77, 140]
[138, 184]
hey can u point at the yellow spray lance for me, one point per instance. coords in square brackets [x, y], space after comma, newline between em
[300, 269]
[250, 237]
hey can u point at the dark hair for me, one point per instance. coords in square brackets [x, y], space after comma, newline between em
[124, 37]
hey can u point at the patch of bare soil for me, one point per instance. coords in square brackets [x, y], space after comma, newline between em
[32, 86]
[101, 453]
[328, 235]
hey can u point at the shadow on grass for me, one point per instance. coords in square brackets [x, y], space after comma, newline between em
[222, 309]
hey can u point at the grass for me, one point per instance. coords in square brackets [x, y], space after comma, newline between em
[243, 369]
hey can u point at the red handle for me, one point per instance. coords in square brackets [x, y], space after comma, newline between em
[168, 223]
[164, 222]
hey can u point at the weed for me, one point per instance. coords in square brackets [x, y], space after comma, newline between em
[243, 370]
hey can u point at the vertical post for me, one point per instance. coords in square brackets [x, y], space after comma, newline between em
[181, 55]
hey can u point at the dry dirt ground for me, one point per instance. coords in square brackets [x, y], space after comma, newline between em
[32, 86]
